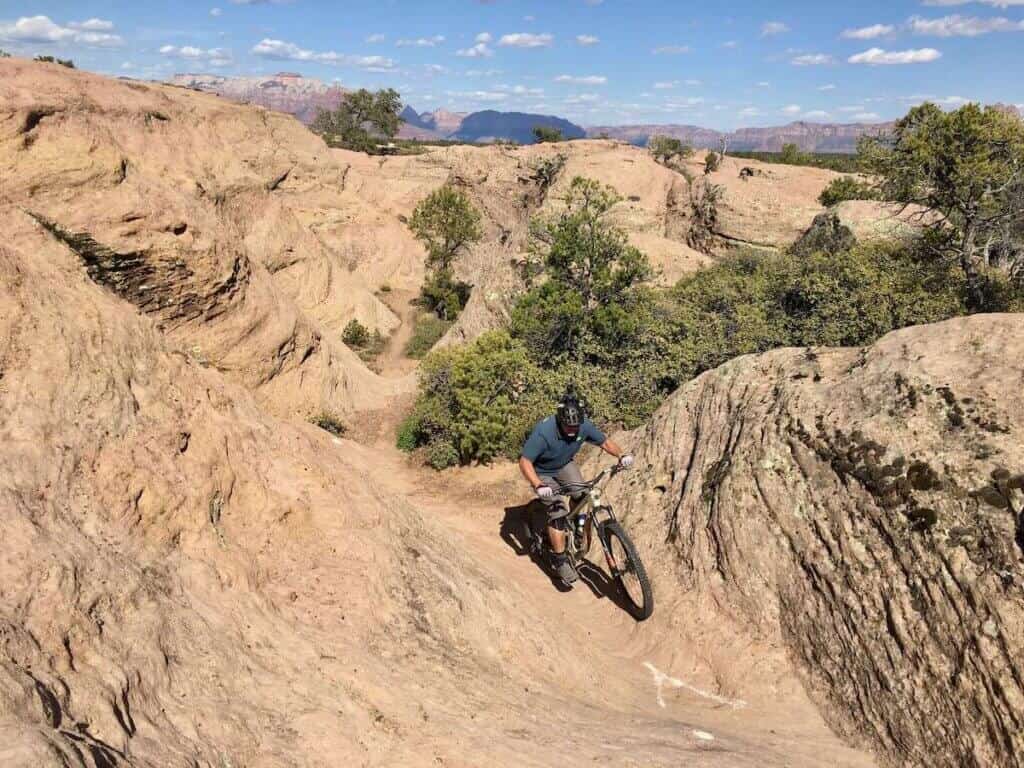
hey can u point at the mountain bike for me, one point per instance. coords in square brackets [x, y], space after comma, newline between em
[593, 512]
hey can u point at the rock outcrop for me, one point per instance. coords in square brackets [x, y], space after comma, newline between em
[860, 509]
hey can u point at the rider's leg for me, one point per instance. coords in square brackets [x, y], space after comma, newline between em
[556, 508]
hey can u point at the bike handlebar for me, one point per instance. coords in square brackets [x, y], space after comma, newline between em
[588, 485]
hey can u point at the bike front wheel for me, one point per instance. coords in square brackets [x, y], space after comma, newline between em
[628, 570]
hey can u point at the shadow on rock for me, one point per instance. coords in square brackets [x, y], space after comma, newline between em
[517, 530]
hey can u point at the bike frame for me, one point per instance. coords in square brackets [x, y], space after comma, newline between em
[598, 513]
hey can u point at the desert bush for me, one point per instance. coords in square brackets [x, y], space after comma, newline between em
[51, 60]
[846, 188]
[355, 335]
[753, 302]
[827, 234]
[443, 295]
[667, 148]
[4, 54]
[704, 200]
[791, 155]
[361, 119]
[367, 344]
[330, 423]
[427, 332]
[385, 288]
[712, 162]
[545, 173]
[545, 134]
[447, 223]
[968, 166]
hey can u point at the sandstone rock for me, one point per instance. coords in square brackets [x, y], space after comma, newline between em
[860, 509]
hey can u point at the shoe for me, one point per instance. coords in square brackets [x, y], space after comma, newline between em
[564, 568]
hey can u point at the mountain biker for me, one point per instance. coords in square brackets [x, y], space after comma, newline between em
[546, 462]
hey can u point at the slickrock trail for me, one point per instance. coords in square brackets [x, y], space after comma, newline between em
[194, 575]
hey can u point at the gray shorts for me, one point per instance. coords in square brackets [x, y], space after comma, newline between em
[556, 506]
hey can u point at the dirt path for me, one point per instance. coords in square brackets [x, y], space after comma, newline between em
[622, 690]
[392, 362]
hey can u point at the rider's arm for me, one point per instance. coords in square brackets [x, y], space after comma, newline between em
[526, 467]
[612, 448]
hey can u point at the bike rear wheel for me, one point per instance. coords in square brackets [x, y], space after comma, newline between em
[628, 570]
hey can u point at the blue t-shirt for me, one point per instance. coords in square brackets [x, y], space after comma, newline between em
[550, 451]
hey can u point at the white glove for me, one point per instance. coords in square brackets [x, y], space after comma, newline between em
[544, 493]
[626, 461]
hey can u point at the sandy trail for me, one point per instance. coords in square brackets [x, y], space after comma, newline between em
[624, 701]
[392, 362]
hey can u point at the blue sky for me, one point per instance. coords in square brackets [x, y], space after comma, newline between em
[595, 61]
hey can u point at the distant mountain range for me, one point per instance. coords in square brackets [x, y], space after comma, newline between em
[284, 92]
[810, 137]
[303, 96]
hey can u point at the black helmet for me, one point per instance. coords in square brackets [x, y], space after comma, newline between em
[571, 413]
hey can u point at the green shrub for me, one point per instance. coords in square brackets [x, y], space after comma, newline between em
[753, 303]
[791, 155]
[666, 148]
[356, 335]
[408, 431]
[846, 188]
[712, 162]
[51, 60]
[442, 455]
[428, 331]
[443, 295]
[385, 288]
[544, 134]
[361, 120]
[330, 423]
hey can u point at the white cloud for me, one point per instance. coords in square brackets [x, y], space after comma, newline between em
[749, 112]
[479, 95]
[828, 87]
[666, 85]
[691, 101]
[280, 50]
[376, 37]
[868, 33]
[963, 26]
[812, 60]
[93, 25]
[670, 49]
[582, 80]
[816, 114]
[877, 56]
[792, 109]
[478, 51]
[214, 57]
[484, 37]
[526, 40]
[582, 98]
[764, 84]
[867, 117]
[216, 12]
[42, 29]
[587, 39]
[771, 28]
[421, 42]
[730, 44]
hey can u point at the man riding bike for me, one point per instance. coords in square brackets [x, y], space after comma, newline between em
[546, 462]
